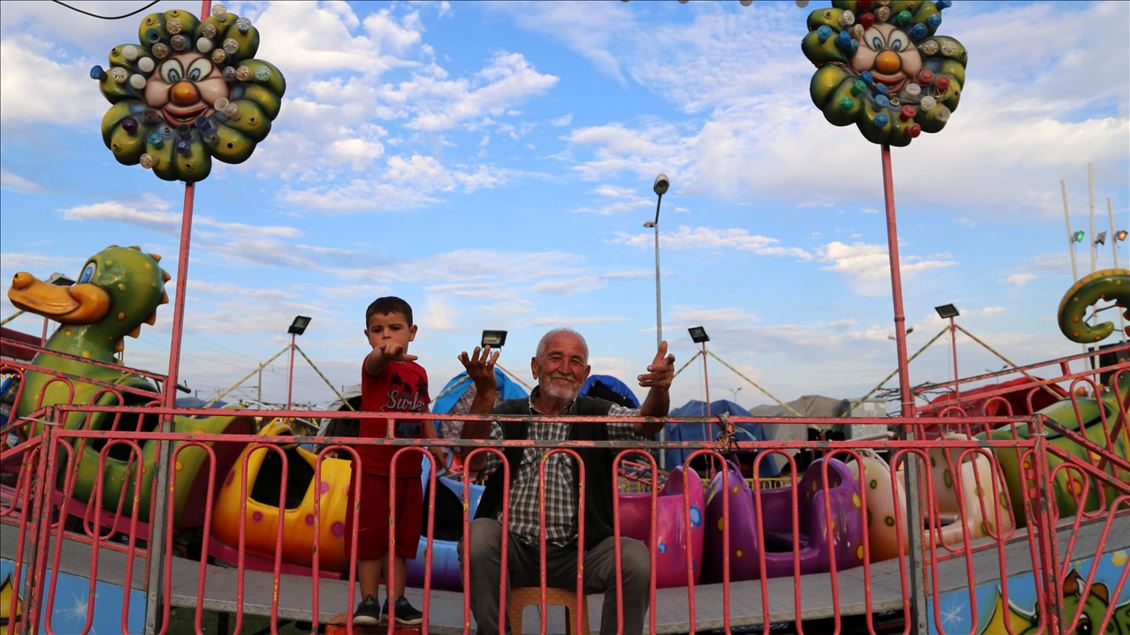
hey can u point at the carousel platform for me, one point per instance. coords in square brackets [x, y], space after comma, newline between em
[811, 598]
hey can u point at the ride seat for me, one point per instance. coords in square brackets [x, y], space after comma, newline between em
[521, 597]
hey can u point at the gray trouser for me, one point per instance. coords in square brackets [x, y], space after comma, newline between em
[561, 572]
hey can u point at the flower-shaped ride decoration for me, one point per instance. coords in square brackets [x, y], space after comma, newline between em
[880, 66]
[191, 90]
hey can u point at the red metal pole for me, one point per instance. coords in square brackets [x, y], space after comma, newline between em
[953, 343]
[170, 391]
[896, 285]
[706, 379]
[913, 507]
[290, 373]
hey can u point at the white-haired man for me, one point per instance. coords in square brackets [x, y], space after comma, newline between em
[560, 368]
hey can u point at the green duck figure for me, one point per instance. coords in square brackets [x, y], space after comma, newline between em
[118, 290]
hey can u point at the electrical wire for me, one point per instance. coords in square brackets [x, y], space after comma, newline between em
[105, 17]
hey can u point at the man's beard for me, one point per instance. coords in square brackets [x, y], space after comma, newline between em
[559, 392]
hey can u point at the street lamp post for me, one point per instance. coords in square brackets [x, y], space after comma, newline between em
[297, 327]
[699, 336]
[949, 311]
[660, 188]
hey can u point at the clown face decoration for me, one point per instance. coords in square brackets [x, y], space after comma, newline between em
[881, 67]
[189, 91]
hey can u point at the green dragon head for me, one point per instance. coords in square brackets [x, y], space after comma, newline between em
[118, 290]
[1112, 285]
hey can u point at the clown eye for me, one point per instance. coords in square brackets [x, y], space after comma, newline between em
[87, 273]
[874, 39]
[199, 69]
[171, 71]
[898, 41]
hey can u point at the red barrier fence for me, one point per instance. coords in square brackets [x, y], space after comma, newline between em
[838, 549]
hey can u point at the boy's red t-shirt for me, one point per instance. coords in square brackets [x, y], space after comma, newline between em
[402, 387]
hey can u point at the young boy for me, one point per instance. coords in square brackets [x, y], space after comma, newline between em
[391, 381]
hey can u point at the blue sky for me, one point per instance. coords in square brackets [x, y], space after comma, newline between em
[492, 163]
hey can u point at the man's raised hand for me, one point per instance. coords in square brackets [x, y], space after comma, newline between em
[480, 366]
[661, 372]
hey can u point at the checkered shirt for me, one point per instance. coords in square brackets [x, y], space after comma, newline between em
[560, 491]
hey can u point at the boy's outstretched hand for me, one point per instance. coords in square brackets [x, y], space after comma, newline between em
[391, 352]
[661, 372]
[480, 367]
[382, 355]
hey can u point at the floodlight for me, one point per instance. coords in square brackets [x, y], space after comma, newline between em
[1078, 236]
[1120, 235]
[698, 334]
[59, 280]
[298, 326]
[1100, 239]
[494, 339]
[947, 311]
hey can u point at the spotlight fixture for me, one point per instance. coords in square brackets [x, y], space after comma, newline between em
[947, 311]
[698, 334]
[298, 326]
[493, 339]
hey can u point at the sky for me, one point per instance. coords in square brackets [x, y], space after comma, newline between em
[492, 164]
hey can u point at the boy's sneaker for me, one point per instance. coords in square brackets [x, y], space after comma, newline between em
[406, 614]
[368, 612]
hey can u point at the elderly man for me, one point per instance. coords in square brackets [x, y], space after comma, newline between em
[560, 368]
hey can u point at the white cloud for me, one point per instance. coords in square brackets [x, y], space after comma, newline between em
[1019, 279]
[704, 237]
[589, 29]
[18, 183]
[406, 183]
[387, 34]
[992, 310]
[1029, 127]
[575, 320]
[867, 266]
[712, 316]
[359, 153]
[158, 218]
[439, 315]
[38, 83]
[313, 39]
[508, 80]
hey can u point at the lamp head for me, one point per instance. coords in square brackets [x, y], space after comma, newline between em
[59, 280]
[298, 326]
[698, 334]
[493, 339]
[661, 184]
[947, 311]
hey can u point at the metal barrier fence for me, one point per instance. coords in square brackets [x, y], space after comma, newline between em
[1009, 502]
